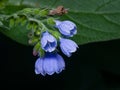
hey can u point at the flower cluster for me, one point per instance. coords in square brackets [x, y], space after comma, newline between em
[46, 35]
[51, 61]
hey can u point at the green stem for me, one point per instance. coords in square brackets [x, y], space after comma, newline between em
[44, 27]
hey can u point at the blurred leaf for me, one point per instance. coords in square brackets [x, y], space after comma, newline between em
[3, 3]
[1, 23]
[10, 9]
[12, 22]
[34, 3]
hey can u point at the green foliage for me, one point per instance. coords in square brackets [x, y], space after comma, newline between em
[97, 20]
[16, 33]
[1, 23]
[3, 3]
[29, 19]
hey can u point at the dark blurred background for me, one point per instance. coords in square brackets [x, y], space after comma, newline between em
[95, 66]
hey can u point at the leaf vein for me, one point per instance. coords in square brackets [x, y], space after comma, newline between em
[110, 21]
[103, 5]
[97, 13]
[86, 26]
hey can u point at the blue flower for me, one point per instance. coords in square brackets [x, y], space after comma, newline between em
[68, 46]
[66, 28]
[49, 64]
[48, 42]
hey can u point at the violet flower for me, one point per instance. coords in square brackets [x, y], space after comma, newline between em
[68, 46]
[48, 42]
[67, 28]
[49, 64]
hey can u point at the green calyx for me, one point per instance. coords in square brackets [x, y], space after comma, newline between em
[55, 33]
[37, 50]
[51, 21]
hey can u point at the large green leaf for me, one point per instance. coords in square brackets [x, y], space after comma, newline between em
[97, 20]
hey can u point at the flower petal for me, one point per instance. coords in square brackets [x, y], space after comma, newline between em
[50, 47]
[66, 28]
[70, 25]
[39, 66]
[50, 64]
[48, 42]
[68, 46]
[64, 50]
[61, 63]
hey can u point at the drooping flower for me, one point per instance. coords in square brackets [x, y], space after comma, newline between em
[66, 28]
[49, 64]
[48, 42]
[68, 46]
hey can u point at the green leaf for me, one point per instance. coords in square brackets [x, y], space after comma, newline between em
[34, 3]
[51, 21]
[18, 34]
[1, 23]
[96, 20]
[12, 22]
[3, 3]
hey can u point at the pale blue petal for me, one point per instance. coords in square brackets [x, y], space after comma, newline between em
[48, 67]
[50, 47]
[67, 46]
[67, 28]
[64, 50]
[43, 41]
[64, 29]
[71, 45]
[48, 42]
[39, 66]
[47, 38]
[69, 25]
[61, 63]
[64, 47]
[50, 64]
[50, 38]
[73, 31]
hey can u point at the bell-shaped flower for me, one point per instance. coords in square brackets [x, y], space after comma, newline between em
[49, 64]
[67, 28]
[48, 42]
[68, 46]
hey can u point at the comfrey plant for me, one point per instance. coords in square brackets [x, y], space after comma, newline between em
[47, 33]
[52, 62]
